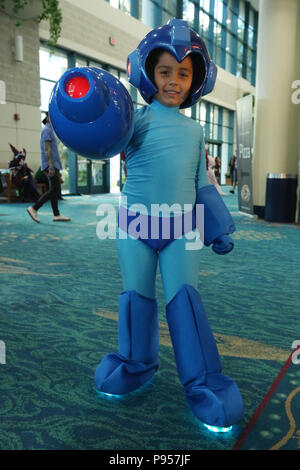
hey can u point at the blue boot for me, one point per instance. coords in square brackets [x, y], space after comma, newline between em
[137, 361]
[214, 398]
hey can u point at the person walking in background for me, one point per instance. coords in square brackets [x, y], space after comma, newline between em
[50, 162]
[233, 172]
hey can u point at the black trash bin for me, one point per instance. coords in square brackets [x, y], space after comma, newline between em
[281, 198]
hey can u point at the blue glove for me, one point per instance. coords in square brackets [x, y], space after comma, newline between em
[217, 219]
[223, 245]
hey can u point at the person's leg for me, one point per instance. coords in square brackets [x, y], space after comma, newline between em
[214, 398]
[32, 210]
[44, 197]
[137, 358]
[234, 181]
[55, 186]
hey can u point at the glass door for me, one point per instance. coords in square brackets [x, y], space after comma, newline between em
[98, 183]
[91, 176]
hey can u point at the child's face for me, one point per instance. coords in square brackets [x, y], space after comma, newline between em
[173, 79]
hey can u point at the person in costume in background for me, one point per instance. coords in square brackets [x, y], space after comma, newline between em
[210, 165]
[217, 169]
[50, 162]
[22, 176]
[165, 162]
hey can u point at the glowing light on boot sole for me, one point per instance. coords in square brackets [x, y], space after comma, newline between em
[217, 428]
[111, 396]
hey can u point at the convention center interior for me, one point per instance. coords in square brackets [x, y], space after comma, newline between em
[150, 226]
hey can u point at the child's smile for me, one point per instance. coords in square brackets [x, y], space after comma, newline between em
[173, 80]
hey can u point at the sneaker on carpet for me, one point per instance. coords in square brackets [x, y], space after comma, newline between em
[61, 218]
[33, 214]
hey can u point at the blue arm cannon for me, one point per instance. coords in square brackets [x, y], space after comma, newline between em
[218, 222]
[91, 112]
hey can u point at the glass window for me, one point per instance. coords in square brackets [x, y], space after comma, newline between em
[251, 18]
[240, 49]
[217, 55]
[225, 133]
[202, 113]
[93, 63]
[217, 34]
[215, 131]
[225, 117]
[209, 116]
[249, 74]
[80, 62]
[242, 9]
[230, 42]
[170, 6]
[239, 69]
[249, 58]
[231, 20]
[230, 63]
[113, 71]
[46, 88]
[82, 171]
[52, 66]
[205, 4]
[123, 5]
[216, 114]
[203, 23]
[241, 29]
[169, 10]
[97, 173]
[189, 12]
[218, 10]
[250, 36]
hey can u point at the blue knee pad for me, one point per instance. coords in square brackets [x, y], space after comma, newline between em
[214, 398]
[137, 360]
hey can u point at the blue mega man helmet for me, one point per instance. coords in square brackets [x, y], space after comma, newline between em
[178, 39]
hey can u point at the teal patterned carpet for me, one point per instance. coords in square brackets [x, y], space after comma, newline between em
[58, 317]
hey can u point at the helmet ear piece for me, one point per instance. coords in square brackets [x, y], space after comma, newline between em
[211, 78]
[137, 75]
[134, 68]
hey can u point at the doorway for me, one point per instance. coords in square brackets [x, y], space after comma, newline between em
[91, 176]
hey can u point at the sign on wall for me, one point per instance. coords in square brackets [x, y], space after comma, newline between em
[244, 139]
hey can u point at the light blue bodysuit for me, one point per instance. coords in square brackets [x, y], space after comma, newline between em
[166, 164]
[165, 158]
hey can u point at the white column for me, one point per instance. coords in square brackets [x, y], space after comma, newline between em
[277, 125]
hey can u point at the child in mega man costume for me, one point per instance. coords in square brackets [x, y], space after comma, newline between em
[165, 161]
